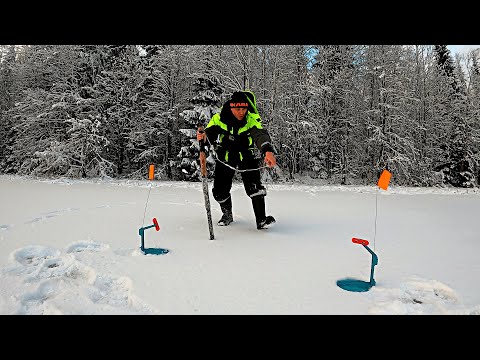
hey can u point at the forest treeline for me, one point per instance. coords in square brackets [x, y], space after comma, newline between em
[340, 113]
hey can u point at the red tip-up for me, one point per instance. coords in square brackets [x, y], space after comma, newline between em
[157, 227]
[360, 241]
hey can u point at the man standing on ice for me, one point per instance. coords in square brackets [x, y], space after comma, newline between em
[234, 132]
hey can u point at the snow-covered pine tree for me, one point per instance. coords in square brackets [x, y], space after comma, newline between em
[474, 101]
[7, 79]
[205, 102]
[457, 168]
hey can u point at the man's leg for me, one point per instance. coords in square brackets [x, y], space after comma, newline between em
[222, 184]
[257, 192]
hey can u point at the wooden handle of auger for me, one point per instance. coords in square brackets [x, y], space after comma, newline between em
[203, 164]
[203, 157]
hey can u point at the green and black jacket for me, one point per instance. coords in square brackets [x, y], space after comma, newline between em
[235, 140]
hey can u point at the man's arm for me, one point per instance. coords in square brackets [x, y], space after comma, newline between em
[262, 139]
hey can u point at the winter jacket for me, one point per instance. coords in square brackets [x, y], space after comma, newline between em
[235, 140]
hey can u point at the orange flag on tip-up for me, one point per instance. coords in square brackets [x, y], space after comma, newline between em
[384, 179]
[151, 172]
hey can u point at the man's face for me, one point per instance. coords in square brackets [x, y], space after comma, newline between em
[239, 112]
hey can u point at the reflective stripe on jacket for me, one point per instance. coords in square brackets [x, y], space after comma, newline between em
[237, 139]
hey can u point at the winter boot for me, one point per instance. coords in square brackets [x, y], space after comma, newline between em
[263, 221]
[227, 217]
[265, 224]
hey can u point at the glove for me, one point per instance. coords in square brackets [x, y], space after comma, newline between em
[201, 136]
[270, 159]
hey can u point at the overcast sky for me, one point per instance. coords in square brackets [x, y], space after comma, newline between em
[462, 48]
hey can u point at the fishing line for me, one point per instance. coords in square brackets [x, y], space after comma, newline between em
[375, 227]
[227, 165]
[145, 211]
[150, 177]
[382, 183]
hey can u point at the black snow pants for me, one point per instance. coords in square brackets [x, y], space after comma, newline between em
[222, 185]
